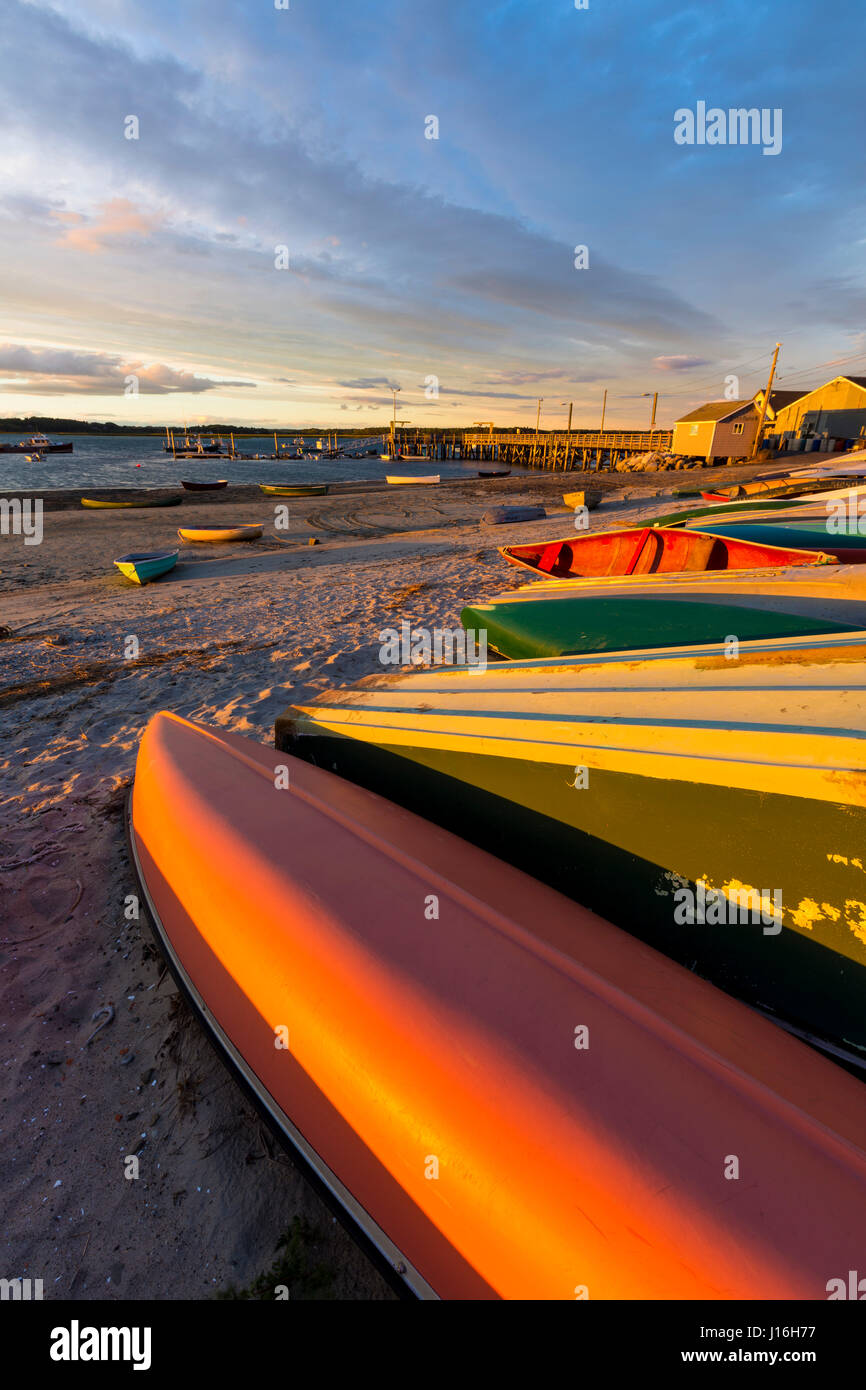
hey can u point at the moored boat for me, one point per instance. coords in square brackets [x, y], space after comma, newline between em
[494, 472]
[144, 566]
[387, 1056]
[647, 549]
[238, 531]
[37, 444]
[198, 447]
[623, 779]
[204, 487]
[401, 478]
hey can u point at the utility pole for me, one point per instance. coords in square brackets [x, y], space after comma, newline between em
[567, 445]
[601, 431]
[537, 423]
[766, 402]
[394, 390]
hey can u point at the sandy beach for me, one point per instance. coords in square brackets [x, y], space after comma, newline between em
[230, 638]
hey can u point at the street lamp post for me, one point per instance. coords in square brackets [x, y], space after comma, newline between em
[655, 396]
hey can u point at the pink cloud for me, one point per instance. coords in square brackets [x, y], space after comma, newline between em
[679, 363]
[118, 220]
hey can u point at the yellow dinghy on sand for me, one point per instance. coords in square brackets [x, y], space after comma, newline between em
[588, 499]
[243, 532]
[113, 503]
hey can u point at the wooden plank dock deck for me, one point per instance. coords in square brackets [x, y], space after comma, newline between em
[549, 449]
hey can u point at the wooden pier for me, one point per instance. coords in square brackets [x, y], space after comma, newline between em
[548, 449]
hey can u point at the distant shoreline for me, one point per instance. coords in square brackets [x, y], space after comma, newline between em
[158, 431]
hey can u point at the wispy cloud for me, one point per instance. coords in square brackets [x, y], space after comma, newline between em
[369, 383]
[58, 371]
[680, 362]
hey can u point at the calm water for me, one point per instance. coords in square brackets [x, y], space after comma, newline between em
[130, 461]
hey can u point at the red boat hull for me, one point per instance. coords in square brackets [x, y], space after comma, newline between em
[433, 1072]
[652, 550]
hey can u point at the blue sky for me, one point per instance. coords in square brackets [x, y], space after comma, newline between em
[152, 261]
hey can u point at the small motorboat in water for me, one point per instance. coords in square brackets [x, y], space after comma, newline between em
[37, 444]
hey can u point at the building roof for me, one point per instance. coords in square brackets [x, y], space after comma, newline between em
[779, 399]
[715, 410]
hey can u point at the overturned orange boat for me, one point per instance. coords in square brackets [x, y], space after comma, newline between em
[652, 550]
[505, 1095]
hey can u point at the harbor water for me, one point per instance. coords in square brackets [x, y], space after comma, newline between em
[111, 461]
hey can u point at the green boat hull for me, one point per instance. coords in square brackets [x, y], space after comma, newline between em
[624, 844]
[141, 569]
[576, 626]
[719, 510]
[817, 537]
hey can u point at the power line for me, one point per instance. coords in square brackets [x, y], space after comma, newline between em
[834, 362]
[707, 381]
[782, 376]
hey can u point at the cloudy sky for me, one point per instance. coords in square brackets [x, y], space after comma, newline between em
[145, 279]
